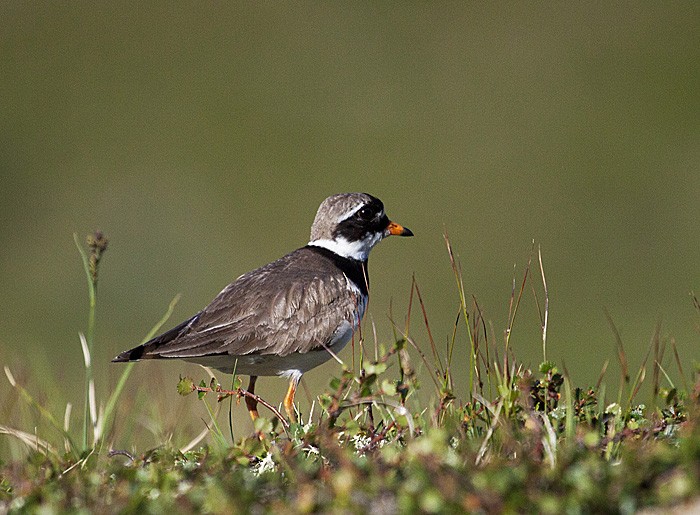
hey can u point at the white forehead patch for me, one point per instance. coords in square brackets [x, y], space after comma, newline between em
[354, 210]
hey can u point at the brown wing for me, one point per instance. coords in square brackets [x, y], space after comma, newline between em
[291, 305]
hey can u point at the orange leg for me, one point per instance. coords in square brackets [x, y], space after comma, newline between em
[252, 403]
[289, 399]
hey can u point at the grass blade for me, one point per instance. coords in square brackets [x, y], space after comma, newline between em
[546, 307]
[92, 298]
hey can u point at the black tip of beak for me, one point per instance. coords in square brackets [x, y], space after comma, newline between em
[398, 230]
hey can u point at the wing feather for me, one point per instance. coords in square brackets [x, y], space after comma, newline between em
[291, 305]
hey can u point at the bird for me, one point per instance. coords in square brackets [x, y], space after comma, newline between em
[291, 315]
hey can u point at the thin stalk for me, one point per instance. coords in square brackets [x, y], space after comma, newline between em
[513, 309]
[230, 401]
[89, 336]
[546, 307]
[679, 365]
[463, 305]
[621, 357]
[436, 356]
[661, 369]
[569, 423]
[218, 434]
[639, 379]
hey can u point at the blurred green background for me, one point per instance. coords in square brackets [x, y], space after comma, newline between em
[202, 137]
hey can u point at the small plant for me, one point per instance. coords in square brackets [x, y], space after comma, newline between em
[95, 419]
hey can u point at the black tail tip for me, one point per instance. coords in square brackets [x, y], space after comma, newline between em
[134, 354]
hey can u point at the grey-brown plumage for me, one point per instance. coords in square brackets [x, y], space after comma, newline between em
[286, 317]
[293, 305]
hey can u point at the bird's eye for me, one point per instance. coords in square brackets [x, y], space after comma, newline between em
[366, 213]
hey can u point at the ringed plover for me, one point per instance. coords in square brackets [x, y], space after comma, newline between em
[287, 317]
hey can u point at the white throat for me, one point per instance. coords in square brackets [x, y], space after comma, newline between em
[358, 250]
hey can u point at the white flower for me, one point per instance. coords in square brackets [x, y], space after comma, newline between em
[310, 449]
[360, 442]
[267, 464]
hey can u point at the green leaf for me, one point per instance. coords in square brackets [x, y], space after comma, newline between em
[388, 387]
[263, 425]
[375, 368]
[548, 366]
[237, 383]
[296, 431]
[325, 401]
[352, 428]
[200, 394]
[670, 396]
[368, 380]
[185, 386]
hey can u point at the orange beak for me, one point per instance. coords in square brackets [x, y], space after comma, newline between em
[398, 230]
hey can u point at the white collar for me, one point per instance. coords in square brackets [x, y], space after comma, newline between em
[358, 250]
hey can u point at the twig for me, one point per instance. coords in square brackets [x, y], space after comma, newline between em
[400, 410]
[378, 437]
[242, 392]
[114, 453]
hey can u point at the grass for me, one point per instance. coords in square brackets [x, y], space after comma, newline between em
[519, 441]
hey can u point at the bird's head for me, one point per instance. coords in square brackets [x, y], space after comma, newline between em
[351, 224]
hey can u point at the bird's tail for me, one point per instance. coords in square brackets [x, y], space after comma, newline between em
[149, 350]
